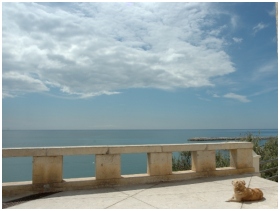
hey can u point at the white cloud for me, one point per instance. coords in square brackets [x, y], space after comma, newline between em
[234, 96]
[258, 27]
[272, 12]
[267, 69]
[237, 40]
[266, 90]
[234, 21]
[270, 66]
[20, 83]
[90, 49]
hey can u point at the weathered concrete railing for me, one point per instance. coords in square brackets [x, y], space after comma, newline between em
[47, 174]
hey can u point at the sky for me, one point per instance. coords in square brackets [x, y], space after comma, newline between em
[145, 65]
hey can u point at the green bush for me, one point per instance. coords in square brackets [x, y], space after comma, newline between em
[183, 162]
[222, 158]
[268, 150]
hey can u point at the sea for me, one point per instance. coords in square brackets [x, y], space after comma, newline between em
[77, 166]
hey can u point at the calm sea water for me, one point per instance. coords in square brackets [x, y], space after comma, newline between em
[20, 169]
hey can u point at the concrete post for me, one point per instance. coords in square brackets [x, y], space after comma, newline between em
[108, 166]
[204, 160]
[256, 161]
[47, 169]
[159, 163]
[241, 158]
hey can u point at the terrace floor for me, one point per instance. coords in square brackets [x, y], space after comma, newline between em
[202, 193]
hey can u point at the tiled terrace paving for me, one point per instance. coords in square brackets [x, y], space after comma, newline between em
[204, 186]
[189, 194]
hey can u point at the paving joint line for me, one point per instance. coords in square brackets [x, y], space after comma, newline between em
[145, 202]
[145, 190]
[131, 196]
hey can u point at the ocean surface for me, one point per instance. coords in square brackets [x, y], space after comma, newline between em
[20, 169]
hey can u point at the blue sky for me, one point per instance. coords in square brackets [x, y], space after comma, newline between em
[139, 66]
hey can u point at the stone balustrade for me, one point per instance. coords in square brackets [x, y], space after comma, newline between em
[47, 173]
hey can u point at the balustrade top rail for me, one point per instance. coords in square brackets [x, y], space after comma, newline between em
[121, 149]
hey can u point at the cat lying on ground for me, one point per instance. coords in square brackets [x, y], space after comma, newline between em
[241, 193]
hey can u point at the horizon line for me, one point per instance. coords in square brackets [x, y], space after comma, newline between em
[147, 129]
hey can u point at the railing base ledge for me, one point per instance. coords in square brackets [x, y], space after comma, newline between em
[15, 188]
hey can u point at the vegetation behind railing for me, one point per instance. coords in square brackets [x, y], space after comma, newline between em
[183, 161]
[268, 151]
[269, 156]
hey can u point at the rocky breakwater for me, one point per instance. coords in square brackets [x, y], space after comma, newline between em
[221, 138]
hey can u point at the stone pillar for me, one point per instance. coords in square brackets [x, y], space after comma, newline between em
[256, 161]
[241, 158]
[204, 160]
[47, 169]
[159, 163]
[108, 166]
